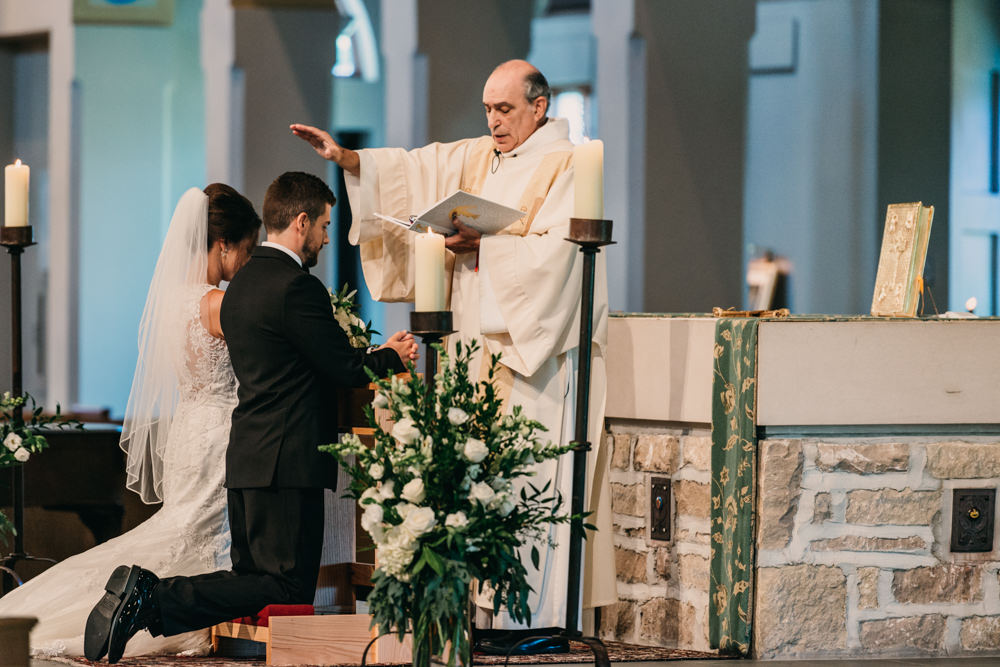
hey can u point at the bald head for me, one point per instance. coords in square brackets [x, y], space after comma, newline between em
[516, 97]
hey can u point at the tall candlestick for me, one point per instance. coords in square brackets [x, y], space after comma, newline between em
[16, 194]
[588, 180]
[429, 272]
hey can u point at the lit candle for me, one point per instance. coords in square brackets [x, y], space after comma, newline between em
[430, 272]
[16, 194]
[588, 180]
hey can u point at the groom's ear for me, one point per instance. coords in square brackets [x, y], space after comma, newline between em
[302, 222]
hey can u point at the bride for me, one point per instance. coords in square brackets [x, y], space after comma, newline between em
[175, 432]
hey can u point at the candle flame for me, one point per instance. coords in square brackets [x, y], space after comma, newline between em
[17, 162]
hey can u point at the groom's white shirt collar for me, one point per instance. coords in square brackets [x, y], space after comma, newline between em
[278, 246]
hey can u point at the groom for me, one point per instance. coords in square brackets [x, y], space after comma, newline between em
[288, 354]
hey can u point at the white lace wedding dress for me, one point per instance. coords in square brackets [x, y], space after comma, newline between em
[188, 535]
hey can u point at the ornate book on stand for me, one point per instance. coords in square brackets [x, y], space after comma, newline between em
[900, 279]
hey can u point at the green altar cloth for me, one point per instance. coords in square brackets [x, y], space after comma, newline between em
[733, 486]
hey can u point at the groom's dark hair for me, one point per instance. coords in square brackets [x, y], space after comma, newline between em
[292, 193]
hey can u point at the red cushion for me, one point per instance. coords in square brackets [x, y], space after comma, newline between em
[262, 617]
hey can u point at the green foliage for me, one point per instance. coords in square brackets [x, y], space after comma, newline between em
[20, 438]
[345, 311]
[448, 499]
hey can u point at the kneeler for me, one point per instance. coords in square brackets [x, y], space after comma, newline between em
[294, 635]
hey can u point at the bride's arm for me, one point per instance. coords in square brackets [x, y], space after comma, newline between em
[210, 305]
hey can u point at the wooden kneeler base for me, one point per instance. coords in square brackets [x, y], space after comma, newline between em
[318, 640]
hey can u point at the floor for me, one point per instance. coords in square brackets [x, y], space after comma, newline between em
[896, 662]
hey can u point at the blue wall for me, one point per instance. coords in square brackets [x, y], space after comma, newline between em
[142, 126]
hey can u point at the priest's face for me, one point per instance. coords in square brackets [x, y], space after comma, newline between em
[509, 115]
[316, 238]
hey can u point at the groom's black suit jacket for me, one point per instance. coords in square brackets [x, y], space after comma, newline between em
[289, 355]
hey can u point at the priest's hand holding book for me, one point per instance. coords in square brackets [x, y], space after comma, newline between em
[464, 239]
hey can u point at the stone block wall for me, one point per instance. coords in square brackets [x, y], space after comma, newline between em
[662, 585]
[854, 549]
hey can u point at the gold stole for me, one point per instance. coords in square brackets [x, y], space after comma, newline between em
[478, 160]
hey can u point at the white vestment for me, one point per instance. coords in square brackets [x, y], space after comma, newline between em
[523, 303]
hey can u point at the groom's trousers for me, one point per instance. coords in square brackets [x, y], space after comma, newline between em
[277, 544]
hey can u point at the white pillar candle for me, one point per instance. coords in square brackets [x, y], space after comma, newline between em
[588, 180]
[16, 194]
[429, 272]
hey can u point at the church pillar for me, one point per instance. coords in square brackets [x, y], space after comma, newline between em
[672, 91]
[914, 124]
[438, 54]
[285, 56]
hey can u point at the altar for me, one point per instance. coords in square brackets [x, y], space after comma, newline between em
[817, 485]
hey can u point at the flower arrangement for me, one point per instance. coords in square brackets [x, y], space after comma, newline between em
[345, 311]
[20, 438]
[446, 502]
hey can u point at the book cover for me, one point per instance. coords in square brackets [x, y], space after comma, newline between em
[483, 215]
[901, 262]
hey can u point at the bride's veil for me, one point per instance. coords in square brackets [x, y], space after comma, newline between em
[183, 262]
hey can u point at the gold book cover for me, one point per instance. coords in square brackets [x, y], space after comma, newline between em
[901, 262]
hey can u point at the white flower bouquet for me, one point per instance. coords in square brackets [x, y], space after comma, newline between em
[445, 499]
[20, 439]
[345, 311]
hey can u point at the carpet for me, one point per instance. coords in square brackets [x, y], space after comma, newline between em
[617, 652]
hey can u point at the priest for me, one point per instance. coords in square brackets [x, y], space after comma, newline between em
[516, 292]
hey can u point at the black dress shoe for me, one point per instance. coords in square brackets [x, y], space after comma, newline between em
[137, 611]
[95, 638]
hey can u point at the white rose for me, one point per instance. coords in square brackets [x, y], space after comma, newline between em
[456, 520]
[381, 400]
[405, 431]
[475, 450]
[414, 491]
[343, 319]
[370, 493]
[502, 503]
[12, 441]
[376, 470]
[482, 493]
[403, 509]
[418, 521]
[387, 491]
[22, 455]
[457, 416]
[371, 517]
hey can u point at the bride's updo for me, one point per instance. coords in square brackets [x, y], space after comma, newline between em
[231, 216]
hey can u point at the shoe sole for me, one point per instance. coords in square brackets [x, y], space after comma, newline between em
[115, 650]
[95, 639]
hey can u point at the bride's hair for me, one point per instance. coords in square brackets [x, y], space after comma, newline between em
[231, 216]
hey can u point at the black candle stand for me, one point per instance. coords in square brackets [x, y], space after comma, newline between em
[591, 235]
[16, 239]
[431, 326]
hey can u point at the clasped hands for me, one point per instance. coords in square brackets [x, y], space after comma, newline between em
[404, 345]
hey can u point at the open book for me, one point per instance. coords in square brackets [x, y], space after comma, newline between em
[899, 281]
[483, 215]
